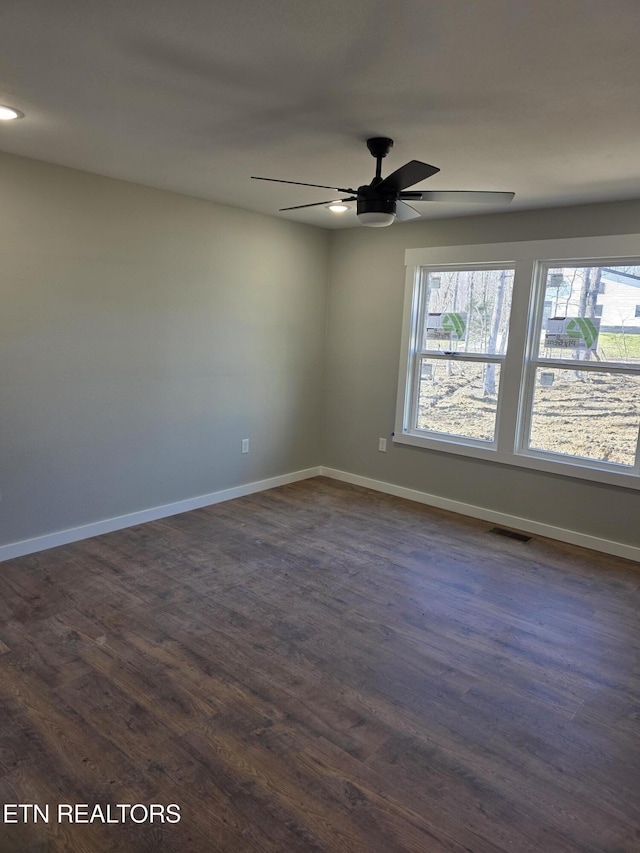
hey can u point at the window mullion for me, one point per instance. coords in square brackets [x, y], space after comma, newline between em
[513, 371]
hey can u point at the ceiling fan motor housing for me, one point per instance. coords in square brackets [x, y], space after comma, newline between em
[372, 201]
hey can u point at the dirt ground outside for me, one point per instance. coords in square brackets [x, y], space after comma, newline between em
[585, 414]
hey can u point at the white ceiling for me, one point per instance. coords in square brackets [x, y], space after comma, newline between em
[540, 97]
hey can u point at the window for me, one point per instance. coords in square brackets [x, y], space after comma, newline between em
[583, 375]
[526, 353]
[464, 322]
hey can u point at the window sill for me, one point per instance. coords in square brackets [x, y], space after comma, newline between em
[582, 470]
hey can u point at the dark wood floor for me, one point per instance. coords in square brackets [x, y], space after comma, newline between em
[323, 668]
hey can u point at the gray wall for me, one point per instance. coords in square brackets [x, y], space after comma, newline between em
[142, 335]
[366, 287]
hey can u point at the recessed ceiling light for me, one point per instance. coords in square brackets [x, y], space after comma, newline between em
[9, 113]
[337, 208]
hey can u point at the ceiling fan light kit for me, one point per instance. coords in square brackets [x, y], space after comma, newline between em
[381, 202]
[376, 218]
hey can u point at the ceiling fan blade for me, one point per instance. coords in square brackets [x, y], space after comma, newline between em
[319, 203]
[301, 184]
[405, 212]
[406, 176]
[455, 196]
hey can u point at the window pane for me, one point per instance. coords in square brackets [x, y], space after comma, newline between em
[590, 314]
[467, 310]
[458, 398]
[587, 414]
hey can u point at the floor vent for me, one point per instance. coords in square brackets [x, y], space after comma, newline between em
[510, 534]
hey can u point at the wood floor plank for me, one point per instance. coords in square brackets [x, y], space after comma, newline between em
[327, 669]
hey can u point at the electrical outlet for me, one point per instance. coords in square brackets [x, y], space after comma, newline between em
[245, 445]
[382, 445]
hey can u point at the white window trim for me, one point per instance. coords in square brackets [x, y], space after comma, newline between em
[527, 258]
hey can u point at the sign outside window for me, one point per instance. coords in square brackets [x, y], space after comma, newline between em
[447, 326]
[572, 332]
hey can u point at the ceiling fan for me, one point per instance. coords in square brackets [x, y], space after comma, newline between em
[384, 200]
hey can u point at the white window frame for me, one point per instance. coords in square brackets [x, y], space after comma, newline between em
[417, 352]
[529, 260]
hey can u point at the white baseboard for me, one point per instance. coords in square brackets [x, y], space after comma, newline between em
[618, 549]
[75, 534]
